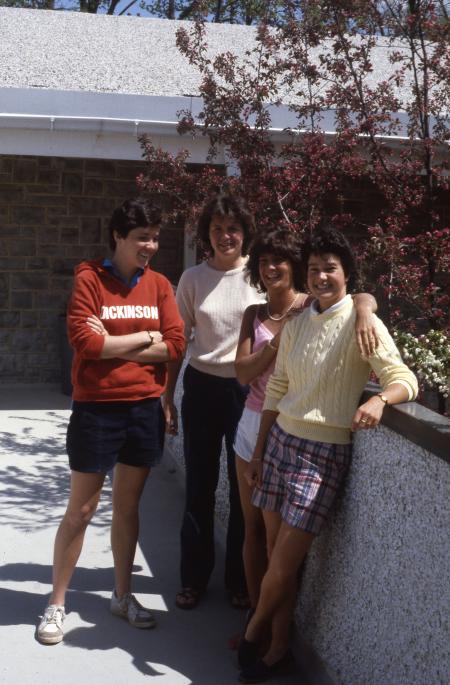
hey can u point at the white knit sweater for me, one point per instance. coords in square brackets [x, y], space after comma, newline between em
[212, 303]
[319, 373]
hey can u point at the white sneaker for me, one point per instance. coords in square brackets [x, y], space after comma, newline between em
[50, 630]
[128, 607]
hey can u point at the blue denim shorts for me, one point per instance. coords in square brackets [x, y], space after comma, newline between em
[102, 434]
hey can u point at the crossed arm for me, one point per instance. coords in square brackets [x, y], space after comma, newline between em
[143, 347]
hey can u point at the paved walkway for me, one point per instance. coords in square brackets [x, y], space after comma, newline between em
[185, 647]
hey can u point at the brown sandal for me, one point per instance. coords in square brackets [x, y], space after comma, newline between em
[188, 598]
[239, 600]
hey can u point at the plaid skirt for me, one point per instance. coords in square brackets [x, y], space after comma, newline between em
[300, 478]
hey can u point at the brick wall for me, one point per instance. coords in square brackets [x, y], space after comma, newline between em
[54, 213]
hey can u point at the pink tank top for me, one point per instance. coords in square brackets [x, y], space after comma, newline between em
[255, 398]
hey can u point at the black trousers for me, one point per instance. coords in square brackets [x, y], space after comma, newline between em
[211, 409]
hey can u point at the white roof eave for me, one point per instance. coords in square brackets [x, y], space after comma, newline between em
[118, 118]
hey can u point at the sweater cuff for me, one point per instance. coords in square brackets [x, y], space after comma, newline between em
[412, 392]
[173, 350]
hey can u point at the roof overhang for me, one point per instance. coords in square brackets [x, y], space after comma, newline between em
[107, 125]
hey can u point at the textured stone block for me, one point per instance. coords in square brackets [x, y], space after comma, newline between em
[37, 263]
[4, 291]
[28, 215]
[72, 164]
[27, 231]
[12, 263]
[91, 206]
[6, 165]
[48, 234]
[47, 319]
[48, 200]
[25, 170]
[72, 184]
[91, 231]
[9, 319]
[9, 231]
[22, 299]
[49, 177]
[61, 283]
[21, 248]
[41, 189]
[46, 250]
[27, 340]
[5, 341]
[69, 235]
[122, 189]
[29, 281]
[12, 367]
[10, 193]
[29, 319]
[97, 251]
[129, 171]
[64, 265]
[100, 167]
[50, 300]
[57, 216]
[93, 186]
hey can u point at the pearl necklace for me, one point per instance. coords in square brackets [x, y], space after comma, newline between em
[281, 316]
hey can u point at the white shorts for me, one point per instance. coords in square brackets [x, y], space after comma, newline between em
[246, 434]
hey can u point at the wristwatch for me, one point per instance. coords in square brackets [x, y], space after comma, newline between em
[383, 398]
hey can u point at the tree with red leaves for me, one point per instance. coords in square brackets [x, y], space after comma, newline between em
[380, 171]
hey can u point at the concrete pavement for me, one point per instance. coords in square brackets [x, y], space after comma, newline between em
[186, 647]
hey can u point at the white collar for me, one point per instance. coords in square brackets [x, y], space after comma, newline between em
[337, 305]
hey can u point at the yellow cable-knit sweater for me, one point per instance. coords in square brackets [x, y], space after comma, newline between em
[319, 373]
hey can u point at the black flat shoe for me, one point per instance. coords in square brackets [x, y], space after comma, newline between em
[259, 671]
[248, 653]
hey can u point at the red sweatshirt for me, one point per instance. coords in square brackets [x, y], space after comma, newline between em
[149, 305]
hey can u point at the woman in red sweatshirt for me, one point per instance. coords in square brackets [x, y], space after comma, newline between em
[123, 325]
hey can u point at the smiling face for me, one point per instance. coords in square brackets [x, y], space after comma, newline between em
[136, 249]
[326, 279]
[275, 272]
[226, 237]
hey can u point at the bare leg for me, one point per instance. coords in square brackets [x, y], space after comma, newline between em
[261, 626]
[85, 491]
[272, 523]
[128, 484]
[278, 590]
[254, 549]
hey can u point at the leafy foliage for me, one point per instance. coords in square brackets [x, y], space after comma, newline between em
[383, 174]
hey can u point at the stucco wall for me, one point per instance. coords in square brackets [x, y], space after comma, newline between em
[375, 596]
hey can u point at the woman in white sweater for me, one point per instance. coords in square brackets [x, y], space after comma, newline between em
[303, 448]
[212, 298]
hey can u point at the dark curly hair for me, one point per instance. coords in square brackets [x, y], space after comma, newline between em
[226, 204]
[328, 240]
[281, 242]
[139, 213]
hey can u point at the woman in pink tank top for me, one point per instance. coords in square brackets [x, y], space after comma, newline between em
[274, 268]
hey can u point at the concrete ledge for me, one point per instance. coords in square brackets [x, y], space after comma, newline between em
[418, 424]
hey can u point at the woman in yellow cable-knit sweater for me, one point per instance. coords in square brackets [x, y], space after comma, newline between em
[304, 444]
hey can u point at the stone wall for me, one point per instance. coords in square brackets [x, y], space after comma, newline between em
[374, 593]
[54, 213]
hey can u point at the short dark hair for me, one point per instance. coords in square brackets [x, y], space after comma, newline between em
[328, 240]
[281, 242]
[138, 213]
[226, 204]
